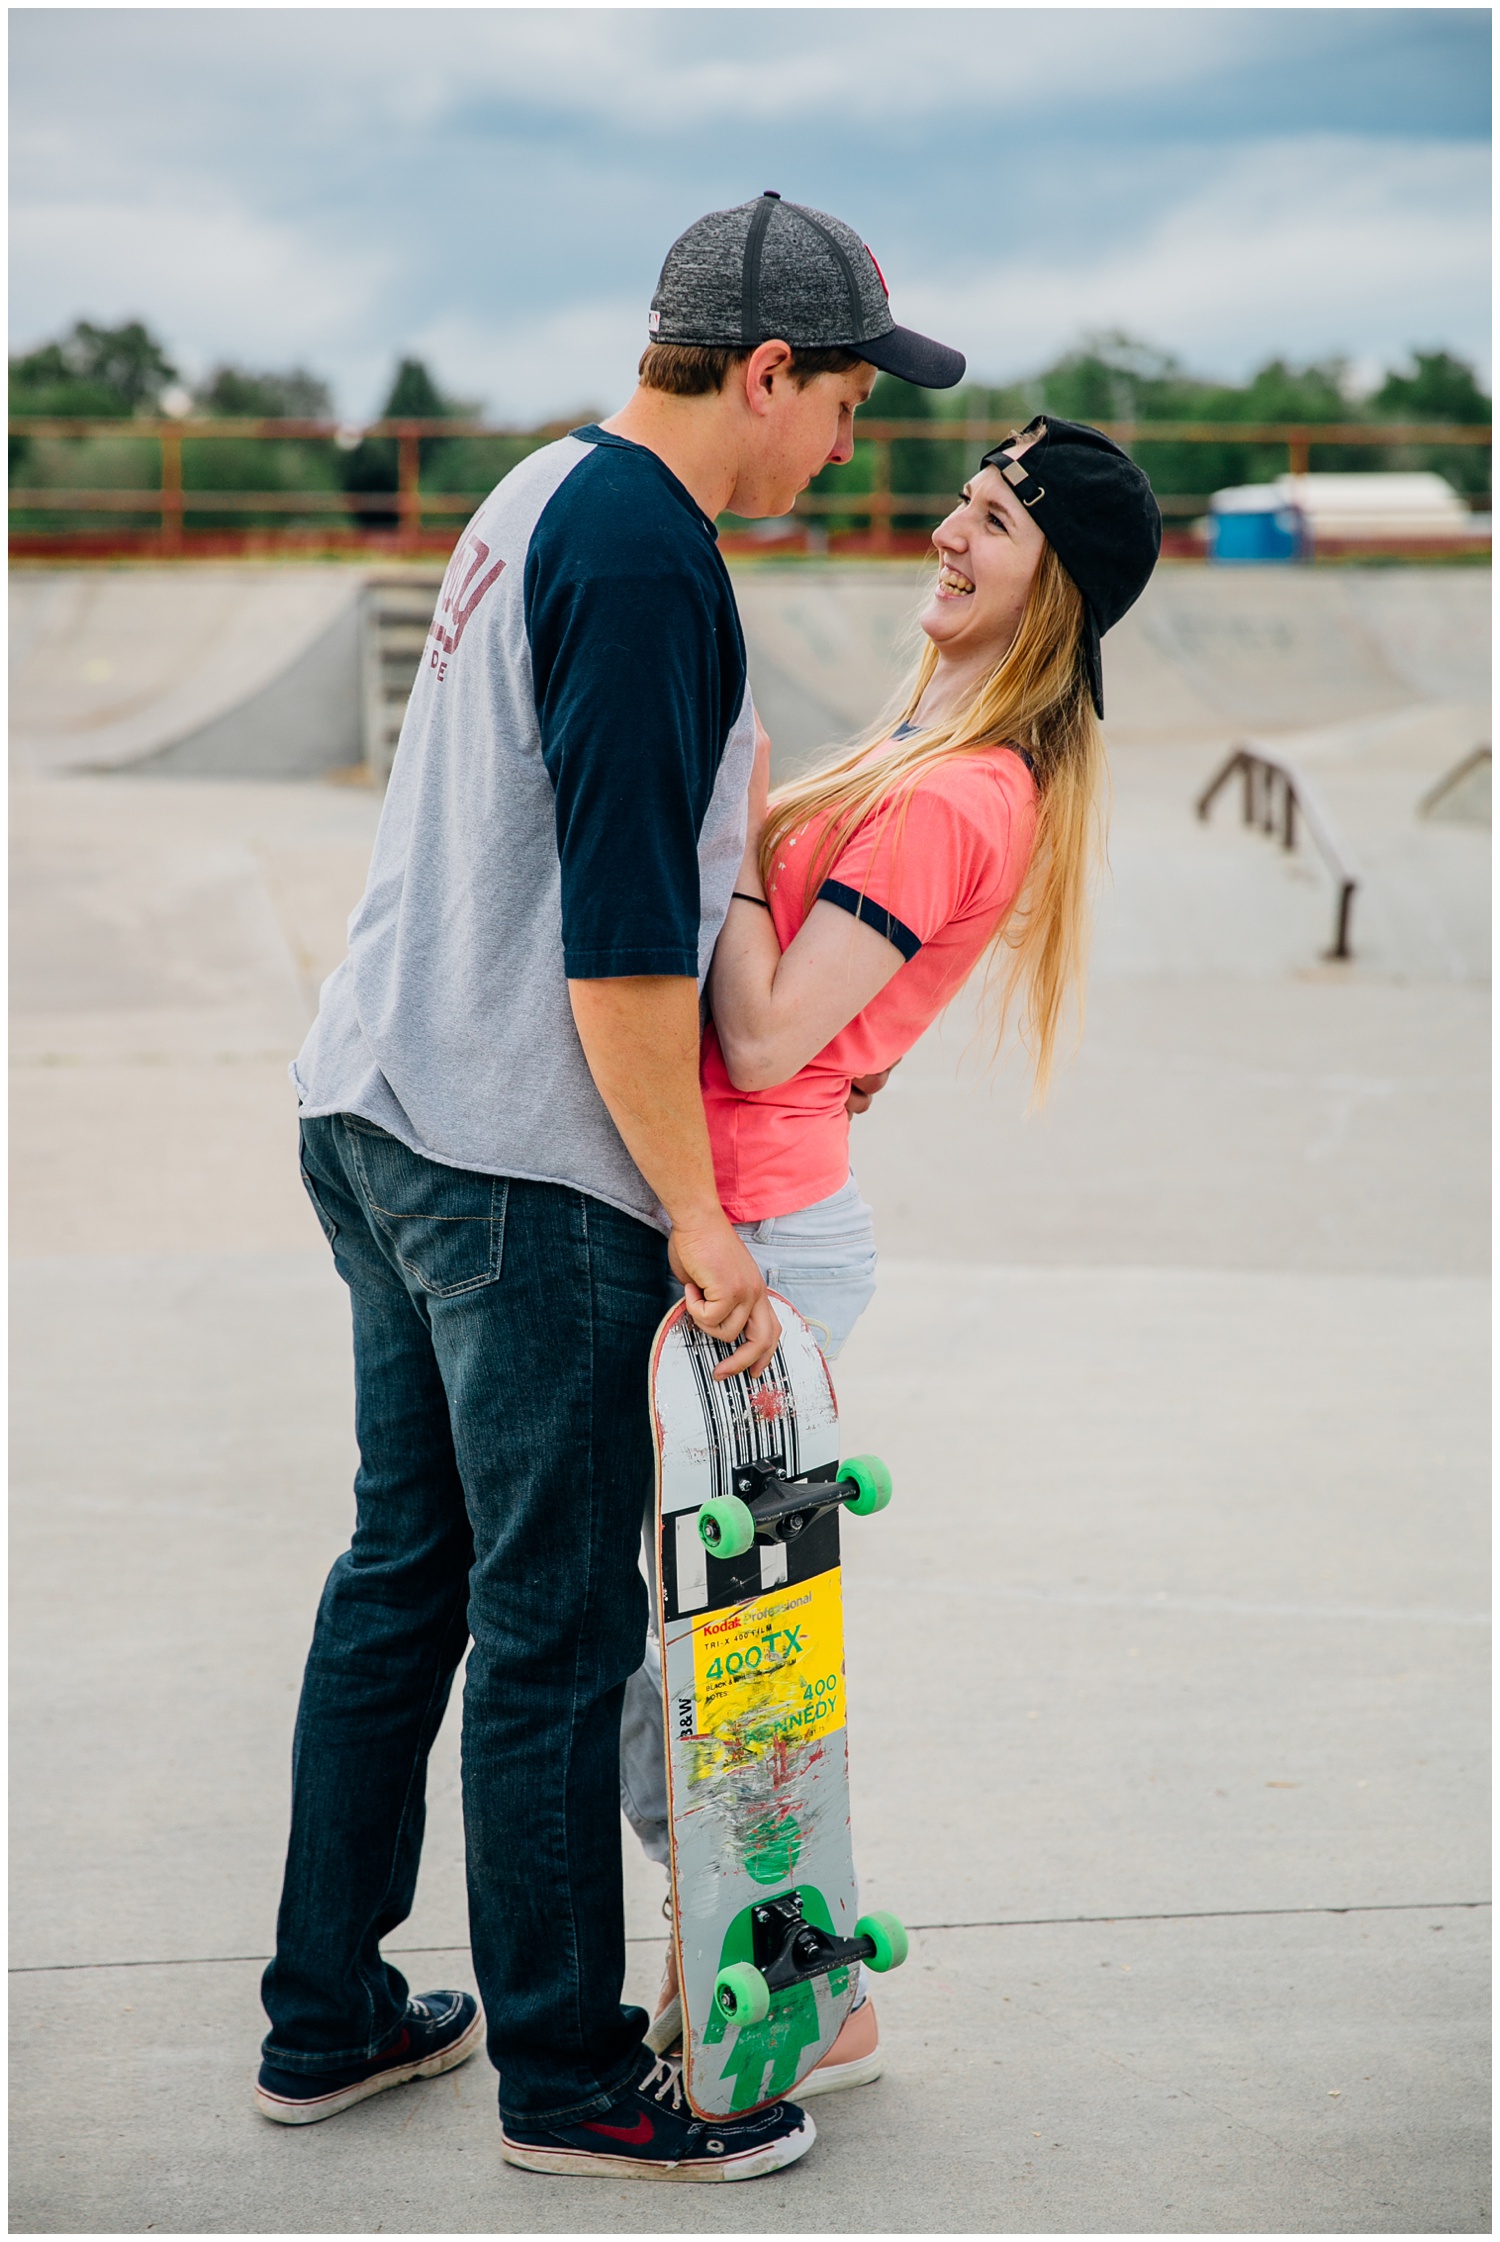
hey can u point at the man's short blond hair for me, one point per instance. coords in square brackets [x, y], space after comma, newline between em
[701, 369]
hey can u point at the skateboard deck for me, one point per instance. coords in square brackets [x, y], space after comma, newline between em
[765, 1903]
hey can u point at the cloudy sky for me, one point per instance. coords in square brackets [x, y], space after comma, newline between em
[493, 188]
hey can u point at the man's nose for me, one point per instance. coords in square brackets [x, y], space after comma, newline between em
[843, 442]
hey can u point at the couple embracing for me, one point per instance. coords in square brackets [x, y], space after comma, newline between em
[522, 1144]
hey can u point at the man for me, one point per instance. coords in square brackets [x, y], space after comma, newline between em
[503, 1138]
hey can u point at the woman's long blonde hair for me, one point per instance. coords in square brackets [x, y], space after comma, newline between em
[1036, 697]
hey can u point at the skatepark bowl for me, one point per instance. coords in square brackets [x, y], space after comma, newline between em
[1166, 1665]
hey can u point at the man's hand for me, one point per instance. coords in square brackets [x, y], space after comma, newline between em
[863, 1089]
[725, 1293]
[640, 1037]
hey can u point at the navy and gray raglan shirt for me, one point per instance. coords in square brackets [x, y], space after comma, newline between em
[567, 802]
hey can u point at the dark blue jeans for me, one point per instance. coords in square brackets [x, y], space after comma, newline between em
[502, 1331]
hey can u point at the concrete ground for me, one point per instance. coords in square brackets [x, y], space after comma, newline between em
[1167, 1665]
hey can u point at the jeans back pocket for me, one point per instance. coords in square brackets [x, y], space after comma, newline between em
[445, 1226]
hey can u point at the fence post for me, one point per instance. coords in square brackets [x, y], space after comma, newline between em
[409, 475]
[1296, 455]
[880, 523]
[171, 490]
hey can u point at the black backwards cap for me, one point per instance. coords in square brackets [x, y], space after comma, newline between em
[1097, 511]
[773, 271]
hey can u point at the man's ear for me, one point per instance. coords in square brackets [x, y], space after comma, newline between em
[767, 364]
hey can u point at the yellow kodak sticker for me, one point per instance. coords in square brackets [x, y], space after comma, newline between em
[771, 1673]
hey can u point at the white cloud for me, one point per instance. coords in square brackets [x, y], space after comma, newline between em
[638, 67]
[493, 188]
[1304, 247]
[548, 367]
[216, 282]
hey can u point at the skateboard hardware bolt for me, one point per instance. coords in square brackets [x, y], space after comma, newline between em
[765, 1506]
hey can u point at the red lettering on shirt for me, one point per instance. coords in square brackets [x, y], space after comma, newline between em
[458, 599]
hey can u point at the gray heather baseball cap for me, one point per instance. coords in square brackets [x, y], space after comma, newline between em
[775, 270]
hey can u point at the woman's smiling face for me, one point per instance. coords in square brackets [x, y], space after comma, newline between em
[988, 548]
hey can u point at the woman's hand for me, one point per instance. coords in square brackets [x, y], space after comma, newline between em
[864, 1089]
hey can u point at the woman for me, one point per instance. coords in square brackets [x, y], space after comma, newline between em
[871, 889]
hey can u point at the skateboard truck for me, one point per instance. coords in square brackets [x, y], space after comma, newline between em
[766, 1507]
[789, 1950]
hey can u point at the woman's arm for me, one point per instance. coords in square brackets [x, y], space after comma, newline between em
[775, 1010]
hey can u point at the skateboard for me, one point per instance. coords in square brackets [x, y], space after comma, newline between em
[750, 1621]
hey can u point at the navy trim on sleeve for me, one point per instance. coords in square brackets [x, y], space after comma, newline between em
[871, 914]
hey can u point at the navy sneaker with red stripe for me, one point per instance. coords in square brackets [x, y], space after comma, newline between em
[648, 2132]
[440, 2031]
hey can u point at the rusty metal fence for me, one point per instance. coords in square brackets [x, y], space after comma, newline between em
[411, 519]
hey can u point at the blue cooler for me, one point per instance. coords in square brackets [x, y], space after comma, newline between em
[1253, 523]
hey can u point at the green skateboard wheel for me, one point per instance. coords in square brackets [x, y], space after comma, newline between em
[889, 1935]
[742, 1994]
[873, 1480]
[726, 1526]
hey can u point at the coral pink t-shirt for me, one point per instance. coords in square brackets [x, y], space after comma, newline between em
[936, 883]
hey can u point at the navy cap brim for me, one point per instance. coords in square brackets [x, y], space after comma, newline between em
[914, 358]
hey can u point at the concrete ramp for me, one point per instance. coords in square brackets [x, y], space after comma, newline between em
[246, 671]
[828, 645]
[197, 670]
[1205, 653]
[1276, 648]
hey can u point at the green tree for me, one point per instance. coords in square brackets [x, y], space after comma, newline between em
[233, 393]
[91, 373]
[476, 463]
[917, 467]
[1116, 377]
[1438, 387]
[922, 467]
[373, 465]
[249, 463]
[96, 373]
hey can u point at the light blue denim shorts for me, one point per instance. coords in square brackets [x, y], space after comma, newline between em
[822, 1259]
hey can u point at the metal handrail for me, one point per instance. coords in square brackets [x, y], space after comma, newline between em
[56, 499]
[1262, 772]
[1288, 432]
[1454, 778]
[170, 500]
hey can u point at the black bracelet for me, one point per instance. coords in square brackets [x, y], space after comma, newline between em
[738, 895]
